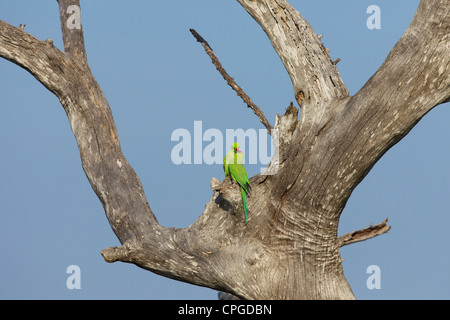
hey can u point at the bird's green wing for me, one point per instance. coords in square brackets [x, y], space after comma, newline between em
[239, 174]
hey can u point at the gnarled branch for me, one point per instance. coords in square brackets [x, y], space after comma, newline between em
[313, 74]
[325, 155]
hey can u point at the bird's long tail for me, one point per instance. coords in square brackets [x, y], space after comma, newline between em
[244, 200]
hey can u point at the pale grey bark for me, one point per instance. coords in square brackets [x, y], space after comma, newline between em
[289, 249]
[314, 75]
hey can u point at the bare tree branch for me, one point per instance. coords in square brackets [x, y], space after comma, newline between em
[181, 254]
[71, 27]
[313, 74]
[231, 82]
[339, 144]
[325, 155]
[363, 234]
[21, 48]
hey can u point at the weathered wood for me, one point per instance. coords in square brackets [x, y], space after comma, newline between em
[363, 234]
[313, 74]
[71, 28]
[289, 249]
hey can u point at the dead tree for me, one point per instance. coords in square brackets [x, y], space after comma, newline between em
[289, 249]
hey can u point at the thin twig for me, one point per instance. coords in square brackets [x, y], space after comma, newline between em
[363, 234]
[230, 81]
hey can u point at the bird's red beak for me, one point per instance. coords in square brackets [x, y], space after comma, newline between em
[239, 151]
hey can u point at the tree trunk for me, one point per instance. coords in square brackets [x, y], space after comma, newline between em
[289, 249]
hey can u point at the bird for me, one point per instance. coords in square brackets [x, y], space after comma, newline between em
[233, 168]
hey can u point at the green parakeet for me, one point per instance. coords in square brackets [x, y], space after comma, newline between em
[233, 167]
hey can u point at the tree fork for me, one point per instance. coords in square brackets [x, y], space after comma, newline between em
[290, 248]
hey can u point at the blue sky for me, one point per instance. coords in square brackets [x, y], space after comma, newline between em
[157, 79]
